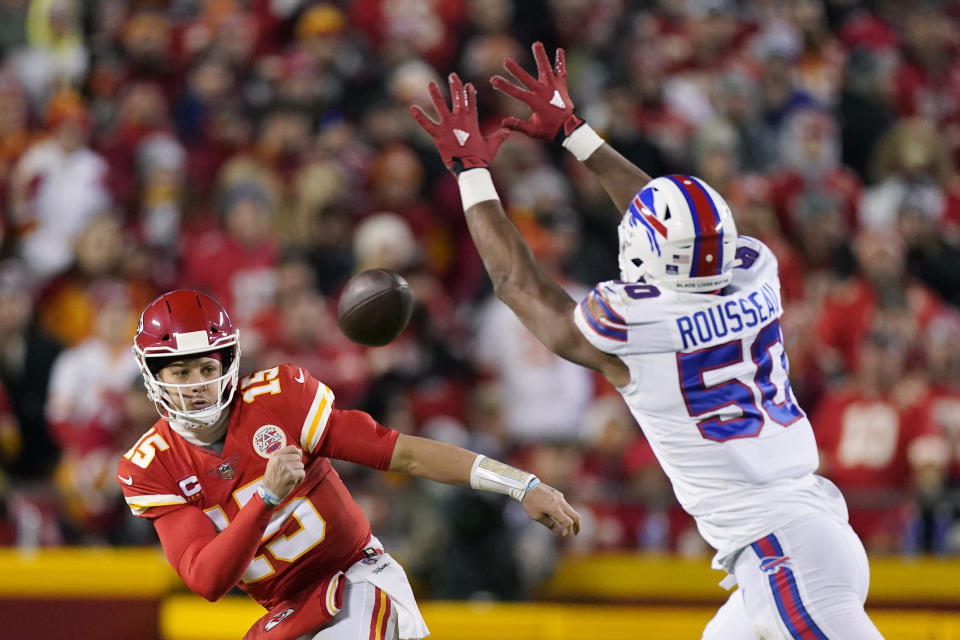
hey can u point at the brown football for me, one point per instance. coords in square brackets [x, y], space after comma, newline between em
[374, 307]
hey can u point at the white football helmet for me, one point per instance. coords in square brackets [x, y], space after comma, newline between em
[678, 233]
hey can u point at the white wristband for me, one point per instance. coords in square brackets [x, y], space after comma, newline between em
[583, 142]
[269, 497]
[492, 475]
[476, 185]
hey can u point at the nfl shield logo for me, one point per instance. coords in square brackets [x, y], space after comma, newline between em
[226, 471]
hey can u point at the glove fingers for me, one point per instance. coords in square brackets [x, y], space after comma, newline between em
[469, 97]
[516, 124]
[543, 62]
[503, 85]
[561, 64]
[423, 119]
[438, 102]
[517, 71]
[510, 123]
[456, 92]
[495, 139]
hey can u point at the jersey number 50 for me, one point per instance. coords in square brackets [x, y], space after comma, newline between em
[704, 399]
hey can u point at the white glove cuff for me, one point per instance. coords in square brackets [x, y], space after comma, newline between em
[492, 475]
[476, 186]
[583, 142]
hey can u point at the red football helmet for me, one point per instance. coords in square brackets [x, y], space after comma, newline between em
[187, 323]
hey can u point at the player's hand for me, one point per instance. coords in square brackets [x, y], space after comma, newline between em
[547, 96]
[547, 506]
[457, 135]
[284, 471]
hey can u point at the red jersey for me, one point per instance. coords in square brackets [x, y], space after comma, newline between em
[867, 439]
[850, 308]
[240, 276]
[944, 402]
[315, 532]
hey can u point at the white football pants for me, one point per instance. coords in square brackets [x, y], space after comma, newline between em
[807, 580]
[367, 613]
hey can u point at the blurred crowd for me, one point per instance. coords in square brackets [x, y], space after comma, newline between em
[261, 150]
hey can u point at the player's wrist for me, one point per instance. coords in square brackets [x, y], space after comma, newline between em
[534, 481]
[460, 164]
[582, 141]
[488, 474]
[567, 127]
[269, 497]
[476, 186]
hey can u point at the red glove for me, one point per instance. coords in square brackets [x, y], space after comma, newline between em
[457, 135]
[547, 96]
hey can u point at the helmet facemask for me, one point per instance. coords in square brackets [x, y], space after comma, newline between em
[169, 396]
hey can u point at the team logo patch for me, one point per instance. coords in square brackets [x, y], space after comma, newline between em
[372, 555]
[268, 439]
[226, 471]
[772, 564]
[277, 619]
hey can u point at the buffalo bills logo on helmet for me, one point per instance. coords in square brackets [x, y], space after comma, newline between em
[772, 564]
[678, 232]
[277, 619]
[642, 213]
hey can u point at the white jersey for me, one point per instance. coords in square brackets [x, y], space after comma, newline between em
[708, 386]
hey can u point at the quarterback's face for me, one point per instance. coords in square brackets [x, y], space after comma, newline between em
[193, 377]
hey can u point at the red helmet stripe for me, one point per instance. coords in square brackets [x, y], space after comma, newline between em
[706, 221]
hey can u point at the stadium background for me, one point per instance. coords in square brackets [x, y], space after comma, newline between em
[261, 150]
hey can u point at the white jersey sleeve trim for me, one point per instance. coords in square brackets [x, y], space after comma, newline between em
[317, 417]
[139, 504]
[331, 599]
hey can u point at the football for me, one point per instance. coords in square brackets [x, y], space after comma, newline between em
[374, 307]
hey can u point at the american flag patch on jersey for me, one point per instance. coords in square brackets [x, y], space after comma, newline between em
[602, 318]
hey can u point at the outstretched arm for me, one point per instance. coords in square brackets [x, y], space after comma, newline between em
[621, 179]
[357, 437]
[450, 464]
[540, 303]
[553, 119]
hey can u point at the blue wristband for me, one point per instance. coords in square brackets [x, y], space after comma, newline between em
[269, 497]
[530, 485]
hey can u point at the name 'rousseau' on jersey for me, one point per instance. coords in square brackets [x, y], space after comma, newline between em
[729, 316]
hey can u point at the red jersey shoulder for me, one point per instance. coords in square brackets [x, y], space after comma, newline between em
[299, 404]
[146, 473]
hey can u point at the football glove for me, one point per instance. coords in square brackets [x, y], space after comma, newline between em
[457, 135]
[547, 96]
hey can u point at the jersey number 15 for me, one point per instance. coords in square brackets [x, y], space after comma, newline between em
[704, 399]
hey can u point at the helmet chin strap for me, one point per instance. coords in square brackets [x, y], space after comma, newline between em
[201, 432]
